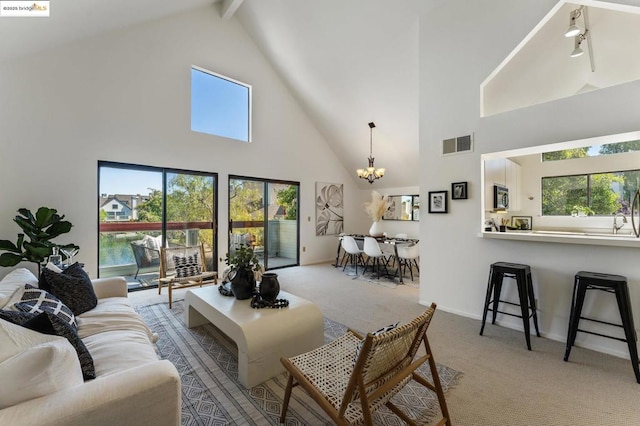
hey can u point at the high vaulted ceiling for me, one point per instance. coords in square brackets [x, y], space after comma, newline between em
[347, 62]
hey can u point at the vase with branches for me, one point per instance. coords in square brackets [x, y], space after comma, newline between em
[375, 209]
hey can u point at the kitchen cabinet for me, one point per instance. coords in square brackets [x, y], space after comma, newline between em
[502, 171]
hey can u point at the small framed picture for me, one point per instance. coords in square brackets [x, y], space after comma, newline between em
[438, 201]
[522, 222]
[459, 191]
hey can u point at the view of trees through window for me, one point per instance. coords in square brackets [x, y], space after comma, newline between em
[137, 217]
[596, 193]
[264, 214]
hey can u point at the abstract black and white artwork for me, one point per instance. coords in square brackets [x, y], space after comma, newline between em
[329, 208]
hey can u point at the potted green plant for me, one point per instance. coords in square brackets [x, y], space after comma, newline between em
[243, 263]
[34, 244]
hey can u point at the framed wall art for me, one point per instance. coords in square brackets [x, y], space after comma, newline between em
[438, 201]
[523, 223]
[459, 191]
[329, 208]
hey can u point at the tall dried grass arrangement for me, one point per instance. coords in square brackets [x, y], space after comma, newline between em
[378, 205]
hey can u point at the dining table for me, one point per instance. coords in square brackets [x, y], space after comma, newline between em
[381, 240]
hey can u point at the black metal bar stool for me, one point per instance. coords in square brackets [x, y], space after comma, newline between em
[522, 275]
[609, 283]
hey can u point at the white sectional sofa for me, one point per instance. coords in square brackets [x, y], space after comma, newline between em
[132, 386]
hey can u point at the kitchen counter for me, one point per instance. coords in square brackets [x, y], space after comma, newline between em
[567, 237]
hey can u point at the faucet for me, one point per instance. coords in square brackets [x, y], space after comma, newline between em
[616, 228]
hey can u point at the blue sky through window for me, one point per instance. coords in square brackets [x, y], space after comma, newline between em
[126, 181]
[219, 106]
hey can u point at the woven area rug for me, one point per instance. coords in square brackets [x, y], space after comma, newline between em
[211, 395]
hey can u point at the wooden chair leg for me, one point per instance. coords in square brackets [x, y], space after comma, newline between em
[170, 286]
[287, 396]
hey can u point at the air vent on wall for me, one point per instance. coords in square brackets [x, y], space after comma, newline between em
[457, 145]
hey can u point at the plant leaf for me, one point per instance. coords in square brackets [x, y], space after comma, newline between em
[36, 252]
[10, 259]
[27, 214]
[9, 246]
[45, 216]
[58, 228]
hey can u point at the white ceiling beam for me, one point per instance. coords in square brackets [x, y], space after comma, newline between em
[229, 7]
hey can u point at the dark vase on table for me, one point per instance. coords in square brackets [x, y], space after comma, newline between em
[269, 286]
[243, 284]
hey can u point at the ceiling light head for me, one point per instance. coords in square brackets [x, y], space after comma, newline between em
[573, 29]
[577, 50]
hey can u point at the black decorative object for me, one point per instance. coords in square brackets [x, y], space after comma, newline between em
[269, 286]
[257, 302]
[243, 263]
[225, 289]
[243, 283]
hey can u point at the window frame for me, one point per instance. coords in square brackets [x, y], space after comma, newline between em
[249, 102]
[588, 188]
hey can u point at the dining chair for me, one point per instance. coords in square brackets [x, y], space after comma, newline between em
[374, 253]
[351, 377]
[407, 257]
[354, 253]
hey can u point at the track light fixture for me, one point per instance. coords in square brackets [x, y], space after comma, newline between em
[580, 35]
[574, 29]
[577, 41]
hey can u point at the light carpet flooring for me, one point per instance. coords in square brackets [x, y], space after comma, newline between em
[502, 383]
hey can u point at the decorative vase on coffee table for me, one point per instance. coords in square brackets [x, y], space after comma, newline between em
[376, 229]
[243, 284]
[269, 286]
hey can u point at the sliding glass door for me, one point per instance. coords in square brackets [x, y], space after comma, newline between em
[264, 214]
[143, 208]
[190, 214]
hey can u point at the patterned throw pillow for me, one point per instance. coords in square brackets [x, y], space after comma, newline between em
[37, 301]
[187, 266]
[49, 323]
[375, 333]
[73, 287]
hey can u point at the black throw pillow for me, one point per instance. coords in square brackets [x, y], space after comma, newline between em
[48, 323]
[72, 286]
[16, 317]
[37, 300]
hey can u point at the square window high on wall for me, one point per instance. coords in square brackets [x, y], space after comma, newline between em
[220, 105]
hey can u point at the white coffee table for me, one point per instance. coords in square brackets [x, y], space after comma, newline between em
[261, 335]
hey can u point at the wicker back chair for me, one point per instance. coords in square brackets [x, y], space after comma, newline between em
[182, 267]
[350, 385]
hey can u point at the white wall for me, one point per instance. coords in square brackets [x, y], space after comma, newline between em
[125, 97]
[454, 60]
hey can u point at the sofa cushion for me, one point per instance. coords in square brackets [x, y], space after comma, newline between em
[35, 364]
[112, 314]
[118, 350]
[36, 300]
[14, 281]
[72, 286]
[49, 323]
